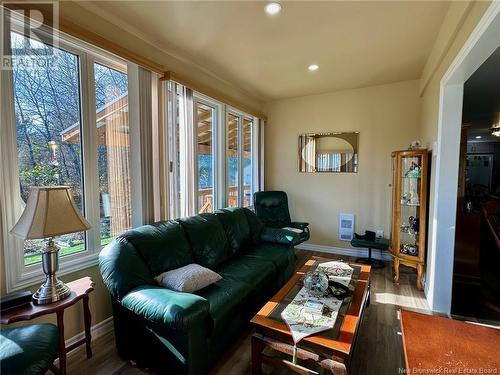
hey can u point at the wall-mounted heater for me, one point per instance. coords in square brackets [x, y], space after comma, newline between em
[346, 227]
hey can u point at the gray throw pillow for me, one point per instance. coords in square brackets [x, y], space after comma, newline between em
[189, 278]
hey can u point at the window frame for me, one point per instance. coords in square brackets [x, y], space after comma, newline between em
[242, 116]
[216, 120]
[18, 275]
[219, 130]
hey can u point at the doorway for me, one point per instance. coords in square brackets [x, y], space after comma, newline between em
[476, 282]
[481, 44]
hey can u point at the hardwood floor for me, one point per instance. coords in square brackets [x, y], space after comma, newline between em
[378, 349]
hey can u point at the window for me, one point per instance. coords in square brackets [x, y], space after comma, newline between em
[173, 96]
[223, 148]
[205, 116]
[47, 104]
[239, 160]
[113, 149]
[232, 162]
[247, 162]
[70, 123]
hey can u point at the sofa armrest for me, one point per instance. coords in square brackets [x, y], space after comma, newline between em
[176, 310]
[280, 236]
[299, 225]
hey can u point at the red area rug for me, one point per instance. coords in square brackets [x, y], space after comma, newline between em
[436, 345]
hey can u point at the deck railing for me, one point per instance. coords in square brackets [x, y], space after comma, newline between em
[205, 198]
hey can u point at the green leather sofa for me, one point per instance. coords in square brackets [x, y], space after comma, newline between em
[174, 332]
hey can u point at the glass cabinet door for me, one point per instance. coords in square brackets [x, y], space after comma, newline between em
[409, 201]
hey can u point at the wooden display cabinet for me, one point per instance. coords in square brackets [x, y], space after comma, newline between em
[409, 210]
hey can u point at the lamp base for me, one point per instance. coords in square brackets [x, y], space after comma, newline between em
[52, 290]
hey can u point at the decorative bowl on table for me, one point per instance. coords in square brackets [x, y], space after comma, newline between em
[316, 283]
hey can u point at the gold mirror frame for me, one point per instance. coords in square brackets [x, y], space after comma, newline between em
[332, 152]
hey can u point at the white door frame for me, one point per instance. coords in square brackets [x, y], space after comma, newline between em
[483, 41]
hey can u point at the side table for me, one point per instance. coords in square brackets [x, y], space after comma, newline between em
[80, 290]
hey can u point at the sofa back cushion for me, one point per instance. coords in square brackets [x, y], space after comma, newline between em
[123, 268]
[163, 245]
[236, 226]
[256, 226]
[207, 239]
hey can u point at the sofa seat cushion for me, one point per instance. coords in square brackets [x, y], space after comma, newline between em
[29, 349]
[253, 271]
[207, 238]
[279, 255]
[236, 227]
[163, 245]
[225, 296]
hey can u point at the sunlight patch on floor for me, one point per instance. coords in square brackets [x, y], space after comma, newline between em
[399, 300]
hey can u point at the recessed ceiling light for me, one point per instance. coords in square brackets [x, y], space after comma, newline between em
[272, 8]
[313, 67]
[478, 137]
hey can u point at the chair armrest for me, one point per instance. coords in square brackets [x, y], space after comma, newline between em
[280, 236]
[176, 310]
[299, 225]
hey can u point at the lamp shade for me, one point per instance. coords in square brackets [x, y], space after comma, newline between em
[49, 212]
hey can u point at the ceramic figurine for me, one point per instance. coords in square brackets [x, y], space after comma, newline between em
[414, 171]
[415, 145]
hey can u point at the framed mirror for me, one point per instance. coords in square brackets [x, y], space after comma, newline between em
[329, 152]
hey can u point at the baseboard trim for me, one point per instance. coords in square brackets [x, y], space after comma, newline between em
[353, 252]
[96, 331]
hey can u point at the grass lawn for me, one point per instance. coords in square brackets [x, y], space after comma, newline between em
[37, 258]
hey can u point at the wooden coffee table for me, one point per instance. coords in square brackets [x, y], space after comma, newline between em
[331, 349]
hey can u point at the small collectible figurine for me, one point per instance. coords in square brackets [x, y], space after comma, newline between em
[415, 145]
[414, 170]
[414, 199]
[414, 224]
[405, 198]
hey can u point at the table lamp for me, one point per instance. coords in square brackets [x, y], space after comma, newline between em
[49, 212]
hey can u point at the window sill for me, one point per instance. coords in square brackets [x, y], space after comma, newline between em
[35, 274]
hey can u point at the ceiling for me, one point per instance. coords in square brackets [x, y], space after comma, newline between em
[356, 44]
[482, 99]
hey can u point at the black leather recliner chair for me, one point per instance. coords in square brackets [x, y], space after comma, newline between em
[271, 208]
